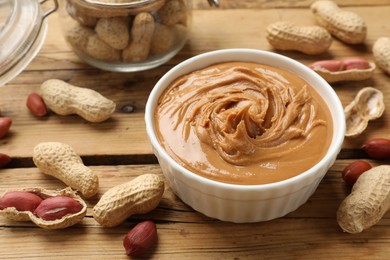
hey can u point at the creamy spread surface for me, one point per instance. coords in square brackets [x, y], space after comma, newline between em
[243, 123]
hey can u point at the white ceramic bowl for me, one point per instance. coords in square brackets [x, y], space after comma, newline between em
[245, 203]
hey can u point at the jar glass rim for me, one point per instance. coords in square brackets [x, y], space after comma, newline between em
[124, 4]
[131, 3]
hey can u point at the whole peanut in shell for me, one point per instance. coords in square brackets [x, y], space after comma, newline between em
[368, 202]
[78, 35]
[114, 31]
[381, 52]
[345, 25]
[137, 196]
[62, 162]
[85, 40]
[163, 39]
[310, 40]
[66, 99]
[173, 12]
[141, 38]
[100, 50]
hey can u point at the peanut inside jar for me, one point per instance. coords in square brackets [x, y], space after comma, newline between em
[243, 123]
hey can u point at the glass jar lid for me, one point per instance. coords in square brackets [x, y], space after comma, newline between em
[23, 28]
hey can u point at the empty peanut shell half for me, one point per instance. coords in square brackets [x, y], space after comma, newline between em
[66, 220]
[367, 105]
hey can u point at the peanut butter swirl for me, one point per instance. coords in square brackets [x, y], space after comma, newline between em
[243, 123]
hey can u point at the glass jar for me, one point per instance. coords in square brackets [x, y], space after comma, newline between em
[23, 29]
[126, 35]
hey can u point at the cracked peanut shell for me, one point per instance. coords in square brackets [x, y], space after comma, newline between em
[367, 105]
[346, 75]
[64, 222]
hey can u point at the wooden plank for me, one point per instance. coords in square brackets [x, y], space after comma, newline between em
[123, 131]
[277, 239]
[310, 230]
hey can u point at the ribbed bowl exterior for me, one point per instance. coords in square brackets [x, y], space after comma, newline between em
[240, 205]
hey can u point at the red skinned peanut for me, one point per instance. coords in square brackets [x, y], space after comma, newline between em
[36, 105]
[356, 63]
[4, 160]
[351, 172]
[377, 148]
[330, 65]
[140, 238]
[5, 124]
[21, 200]
[57, 207]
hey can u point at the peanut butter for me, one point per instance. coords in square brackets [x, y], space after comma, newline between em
[243, 123]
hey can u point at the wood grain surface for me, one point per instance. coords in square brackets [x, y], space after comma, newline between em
[118, 149]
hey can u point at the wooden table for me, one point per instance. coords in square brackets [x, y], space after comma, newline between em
[118, 150]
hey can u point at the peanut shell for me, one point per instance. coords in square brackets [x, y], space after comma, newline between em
[66, 221]
[163, 39]
[368, 202]
[344, 25]
[98, 49]
[381, 52]
[66, 99]
[138, 196]
[114, 31]
[173, 12]
[78, 35]
[61, 161]
[346, 75]
[141, 38]
[367, 105]
[310, 40]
